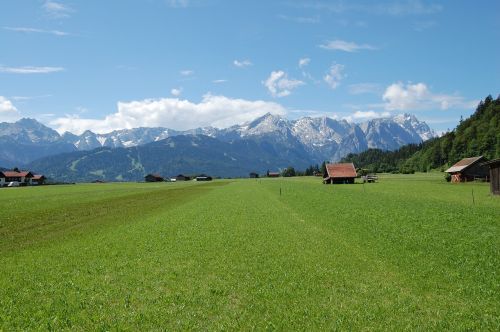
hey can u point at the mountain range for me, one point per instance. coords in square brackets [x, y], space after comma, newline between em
[268, 142]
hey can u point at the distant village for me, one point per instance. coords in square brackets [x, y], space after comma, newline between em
[466, 170]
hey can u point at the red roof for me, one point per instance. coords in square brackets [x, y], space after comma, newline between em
[13, 174]
[344, 170]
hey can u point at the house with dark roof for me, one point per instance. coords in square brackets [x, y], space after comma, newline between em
[339, 173]
[494, 166]
[203, 177]
[181, 177]
[468, 169]
[153, 178]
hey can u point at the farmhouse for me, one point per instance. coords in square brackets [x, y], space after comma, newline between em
[468, 169]
[20, 178]
[273, 174]
[339, 173]
[153, 178]
[494, 166]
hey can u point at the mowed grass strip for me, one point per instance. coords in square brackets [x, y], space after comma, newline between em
[49, 213]
[395, 255]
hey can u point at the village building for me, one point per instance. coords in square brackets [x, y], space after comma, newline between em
[494, 166]
[203, 177]
[153, 178]
[181, 177]
[273, 174]
[468, 169]
[38, 179]
[22, 178]
[339, 173]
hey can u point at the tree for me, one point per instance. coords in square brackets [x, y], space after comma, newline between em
[288, 172]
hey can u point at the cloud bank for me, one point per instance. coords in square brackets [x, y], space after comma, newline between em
[414, 97]
[216, 111]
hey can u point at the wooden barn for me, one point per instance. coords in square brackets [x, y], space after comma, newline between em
[494, 166]
[339, 173]
[468, 169]
[153, 178]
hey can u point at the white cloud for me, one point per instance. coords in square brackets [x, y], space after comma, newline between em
[304, 62]
[366, 115]
[362, 88]
[8, 112]
[186, 72]
[423, 25]
[242, 63]
[413, 97]
[279, 85]
[30, 70]
[219, 81]
[334, 75]
[217, 111]
[176, 92]
[342, 45]
[57, 9]
[301, 19]
[178, 3]
[33, 30]
[394, 8]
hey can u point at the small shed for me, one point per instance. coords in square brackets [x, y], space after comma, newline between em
[339, 173]
[494, 166]
[153, 178]
[181, 177]
[203, 177]
[254, 175]
[468, 169]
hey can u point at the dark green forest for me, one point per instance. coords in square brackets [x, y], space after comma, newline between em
[477, 135]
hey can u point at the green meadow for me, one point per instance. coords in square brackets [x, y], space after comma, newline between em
[410, 252]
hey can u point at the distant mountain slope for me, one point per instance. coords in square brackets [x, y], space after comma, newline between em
[179, 154]
[312, 139]
[475, 136]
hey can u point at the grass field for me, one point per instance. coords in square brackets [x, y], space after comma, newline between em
[410, 252]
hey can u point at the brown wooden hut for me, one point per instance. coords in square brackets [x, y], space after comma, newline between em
[494, 166]
[468, 169]
[339, 173]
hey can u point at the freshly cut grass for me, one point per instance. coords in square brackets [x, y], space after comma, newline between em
[409, 252]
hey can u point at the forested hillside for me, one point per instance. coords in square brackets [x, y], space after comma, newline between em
[477, 135]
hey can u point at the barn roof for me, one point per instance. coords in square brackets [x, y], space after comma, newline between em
[463, 164]
[492, 163]
[342, 170]
[38, 176]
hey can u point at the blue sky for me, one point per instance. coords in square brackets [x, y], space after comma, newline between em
[105, 65]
